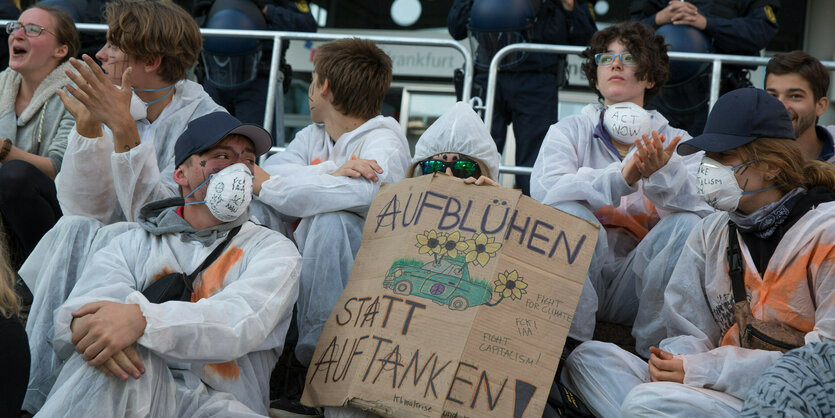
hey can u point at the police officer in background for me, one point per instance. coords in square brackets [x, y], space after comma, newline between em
[236, 70]
[738, 27]
[527, 85]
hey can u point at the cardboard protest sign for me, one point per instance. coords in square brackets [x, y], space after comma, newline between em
[459, 303]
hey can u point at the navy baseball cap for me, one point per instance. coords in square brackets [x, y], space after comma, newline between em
[207, 130]
[738, 118]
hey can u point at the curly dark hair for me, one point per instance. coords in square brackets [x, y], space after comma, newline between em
[647, 47]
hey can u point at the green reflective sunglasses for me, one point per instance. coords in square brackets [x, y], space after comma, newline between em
[460, 168]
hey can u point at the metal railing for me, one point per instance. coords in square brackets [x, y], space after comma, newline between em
[503, 169]
[278, 36]
[716, 74]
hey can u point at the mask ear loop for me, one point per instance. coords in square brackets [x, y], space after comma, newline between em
[752, 191]
[195, 189]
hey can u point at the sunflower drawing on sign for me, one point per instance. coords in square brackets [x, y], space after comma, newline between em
[446, 278]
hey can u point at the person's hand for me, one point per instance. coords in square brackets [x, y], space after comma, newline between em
[652, 155]
[664, 367]
[665, 15]
[86, 125]
[259, 176]
[360, 168]
[481, 181]
[105, 328]
[123, 364]
[630, 170]
[684, 13]
[105, 102]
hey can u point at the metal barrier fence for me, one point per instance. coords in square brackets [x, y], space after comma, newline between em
[716, 73]
[716, 59]
[278, 36]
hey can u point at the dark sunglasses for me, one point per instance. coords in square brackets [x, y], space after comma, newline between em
[460, 168]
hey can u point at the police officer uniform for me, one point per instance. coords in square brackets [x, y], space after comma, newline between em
[248, 101]
[527, 90]
[738, 27]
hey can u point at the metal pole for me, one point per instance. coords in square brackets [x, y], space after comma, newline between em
[715, 82]
[271, 96]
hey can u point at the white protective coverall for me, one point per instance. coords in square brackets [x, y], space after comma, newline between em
[101, 184]
[209, 357]
[332, 209]
[96, 189]
[458, 130]
[578, 171]
[701, 329]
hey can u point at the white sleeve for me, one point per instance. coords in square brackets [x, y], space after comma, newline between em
[106, 277]
[294, 160]
[233, 321]
[691, 327]
[138, 180]
[303, 193]
[558, 177]
[85, 184]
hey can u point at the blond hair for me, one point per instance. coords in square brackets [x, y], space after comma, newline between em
[9, 302]
[785, 155]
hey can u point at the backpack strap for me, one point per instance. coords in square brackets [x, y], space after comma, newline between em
[735, 268]
[735, 264]
[211, 258]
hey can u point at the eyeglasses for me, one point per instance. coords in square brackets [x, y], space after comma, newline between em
[30, 29]
[460, 168]
[605, 59]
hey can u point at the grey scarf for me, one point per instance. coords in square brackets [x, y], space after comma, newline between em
[765, 220]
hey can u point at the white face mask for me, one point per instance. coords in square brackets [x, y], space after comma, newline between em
[138, 110]
[228, 193]
[718, 186]
[626, 122]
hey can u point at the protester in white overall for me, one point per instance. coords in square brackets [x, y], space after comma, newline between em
[614, 165]
[212, 354]
[120, 154]
[754, 174]
[459, 134]
[331, 171]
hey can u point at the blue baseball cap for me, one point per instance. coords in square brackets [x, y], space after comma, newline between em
[207, 130]
[738, 118]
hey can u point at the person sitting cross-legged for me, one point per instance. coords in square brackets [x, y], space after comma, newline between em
[130, 349]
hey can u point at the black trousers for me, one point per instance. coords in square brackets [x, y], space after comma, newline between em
[14, 363]
[530, 100]
[29, 206]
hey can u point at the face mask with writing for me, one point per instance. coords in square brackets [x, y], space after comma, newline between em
[626, 122]
[228, 193]
[718, 187]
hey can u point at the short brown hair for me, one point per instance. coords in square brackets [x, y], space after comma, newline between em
[647, 47]
[785, 155]
[147, 29]
[65, 31]
[358, 73]
[807, 66]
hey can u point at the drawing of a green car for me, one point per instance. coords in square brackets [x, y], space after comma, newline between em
[447, 282]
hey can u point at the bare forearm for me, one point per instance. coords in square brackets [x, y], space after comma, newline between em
[125, 136]
[41, 163]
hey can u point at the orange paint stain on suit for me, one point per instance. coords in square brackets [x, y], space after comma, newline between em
[316, 161]
[165, 271]
[209, 283]
[785, 295]
[638, 224]
[228, 370]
